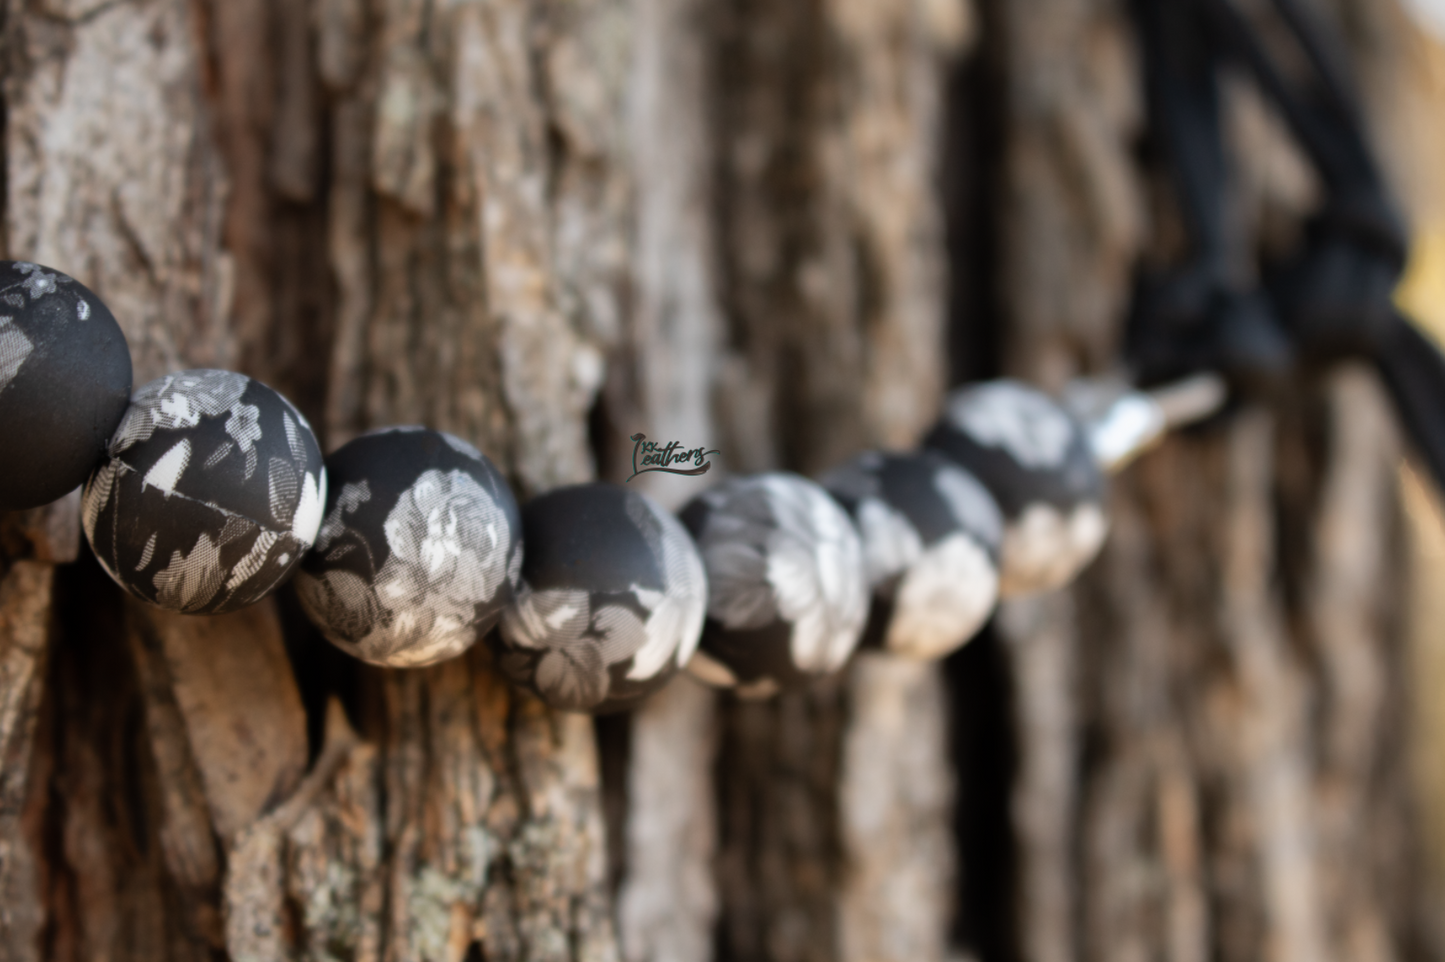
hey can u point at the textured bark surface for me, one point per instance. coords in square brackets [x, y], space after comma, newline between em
[661, 383]
[830, 253]
[545, 226]
[25, 598]
[306, 193]
[789, 312]
[1210, 747]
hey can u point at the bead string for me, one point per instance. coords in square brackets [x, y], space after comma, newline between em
[407, 546]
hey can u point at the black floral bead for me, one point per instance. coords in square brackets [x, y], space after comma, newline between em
[211, 491]
[65, 380]
[420, 551]
[1037, 462]
[787, 594]
[612, 599]
[931, 534]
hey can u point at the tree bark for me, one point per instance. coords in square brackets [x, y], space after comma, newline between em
[1211, 758]
[546, 226]
[250, 204]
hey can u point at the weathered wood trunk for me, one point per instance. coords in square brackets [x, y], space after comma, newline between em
[1208, 754]
[769, 228]
[306, 193]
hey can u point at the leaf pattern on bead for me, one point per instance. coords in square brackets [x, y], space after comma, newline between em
[583, 634]
[559, 622]
[206, 543]
[191, 580]
[604, 644]
[15, 347]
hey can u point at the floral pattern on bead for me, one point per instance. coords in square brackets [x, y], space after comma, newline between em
[37, 282]
[15, 347]
[588, 647]
[414, 560]
[212, 490]
[931, 538]
[779, 552]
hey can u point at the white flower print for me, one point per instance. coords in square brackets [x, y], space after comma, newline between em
[1019, 419]
[943, 599]
[581, 639]
[621, 634]
[446, 537]
[450, 530]
[815, 565]
[1044, 548]
[666, 632]
[734, 551]
[450, 552]
[572, 673]
[739, 595]
[244, 427]
[779, 544]
[15, 347]
[177, 401]
[38, 281]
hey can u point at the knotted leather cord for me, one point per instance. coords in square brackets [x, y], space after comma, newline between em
[1206, 314]
[1333, 299]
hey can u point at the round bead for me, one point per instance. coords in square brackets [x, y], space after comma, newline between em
[612, 599]
[788, 597]
[420, 551]
[1036, 461]
[211, 491]
[65, 380]
[931, 536]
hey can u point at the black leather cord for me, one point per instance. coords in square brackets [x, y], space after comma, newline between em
[1198, 316]
[1333, 298]
[1414, 372]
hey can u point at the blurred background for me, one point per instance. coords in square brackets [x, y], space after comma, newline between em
[782, 229]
